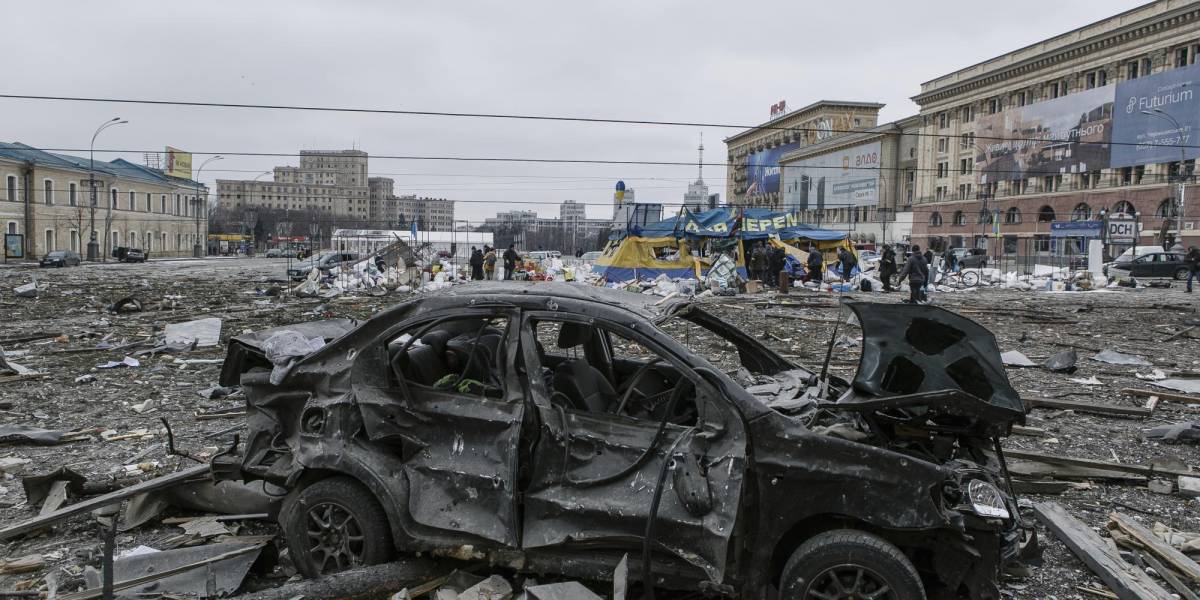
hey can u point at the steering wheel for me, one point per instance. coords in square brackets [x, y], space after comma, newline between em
[632, 386]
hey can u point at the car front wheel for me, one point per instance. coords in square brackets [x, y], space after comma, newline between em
[335, 524]
[1181, 274]
[849, 564]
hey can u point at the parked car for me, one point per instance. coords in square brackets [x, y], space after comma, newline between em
[591, 257]
[1156, 265]
[556, 428]
[129, 255]
[323, 263]
[540, 255]
[970, 258]
[60, 258]
[1129, 254]
[274, 253]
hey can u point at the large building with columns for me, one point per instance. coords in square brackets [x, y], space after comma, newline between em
[1073, 128]
[46, 201]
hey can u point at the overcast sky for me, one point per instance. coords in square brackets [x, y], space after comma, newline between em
[696, 61]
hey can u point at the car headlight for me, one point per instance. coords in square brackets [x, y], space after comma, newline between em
[986, 500]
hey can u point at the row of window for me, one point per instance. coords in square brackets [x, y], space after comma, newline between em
[1081, 212]
[49, 197]
[183, 241]
[1181, 56]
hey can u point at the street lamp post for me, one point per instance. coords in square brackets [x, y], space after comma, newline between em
[197, 251]
[1180, 177]
[93, 247]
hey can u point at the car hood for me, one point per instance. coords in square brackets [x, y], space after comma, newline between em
[916, 355]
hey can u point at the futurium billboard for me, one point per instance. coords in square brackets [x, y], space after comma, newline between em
[846, 177]
[762, 170]
[1155, 116]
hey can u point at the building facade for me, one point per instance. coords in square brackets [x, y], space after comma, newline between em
[1079, 127]
[862, 183]
[47, 200]
[332, 183]
[754, 155]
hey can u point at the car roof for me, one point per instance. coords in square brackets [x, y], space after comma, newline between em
[648, 306]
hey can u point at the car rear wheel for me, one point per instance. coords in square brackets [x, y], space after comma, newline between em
[335, 524]
[1181, 274]
[851, 565]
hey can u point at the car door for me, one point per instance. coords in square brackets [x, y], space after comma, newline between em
[457, 438]
[594, 473]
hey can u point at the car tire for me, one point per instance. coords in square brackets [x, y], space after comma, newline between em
[335, 524]
[845, 562]
[1181, 274]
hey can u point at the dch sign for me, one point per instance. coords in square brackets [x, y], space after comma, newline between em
[1122, 229]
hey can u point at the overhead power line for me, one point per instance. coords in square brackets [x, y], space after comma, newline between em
[579, 161]
[526, 117]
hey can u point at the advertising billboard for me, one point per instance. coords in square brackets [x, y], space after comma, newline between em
[762, 170]
[846, 177]
[1070, 134]
[179, 163]
[1145, 109]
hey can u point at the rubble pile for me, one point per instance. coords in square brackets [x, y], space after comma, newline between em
[109, 399]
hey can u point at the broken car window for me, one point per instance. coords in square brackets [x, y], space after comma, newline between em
[458, 354]
[594, 369]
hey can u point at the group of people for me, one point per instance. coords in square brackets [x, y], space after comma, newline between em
[766, 263]
[483, 262]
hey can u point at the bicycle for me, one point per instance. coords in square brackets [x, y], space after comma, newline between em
[960, 279]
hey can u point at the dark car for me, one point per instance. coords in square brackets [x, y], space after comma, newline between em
[556, 428]
[970, 258]
[129, 255]
[1157, 265]
[60, 258]
[323, 263]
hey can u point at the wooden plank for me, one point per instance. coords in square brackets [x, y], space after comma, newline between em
[1089, 407]
[1169, 576]
[1178, 560]
[1152, 403]
[99, 501]
[1094, 464]
[1162, 395]
[1036, 470]
[1128, 581]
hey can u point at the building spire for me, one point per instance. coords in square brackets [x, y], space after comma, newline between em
[700, 164]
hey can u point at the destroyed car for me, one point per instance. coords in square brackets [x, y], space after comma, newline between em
[554, 428]
[323, 263]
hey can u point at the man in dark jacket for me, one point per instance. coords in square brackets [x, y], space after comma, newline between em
[758, 262]
[510, 261]
[816, 265]
[887, 268]
[917, 272]
[1193, 264]
[848, 261]
[476, 264]
[775, 259]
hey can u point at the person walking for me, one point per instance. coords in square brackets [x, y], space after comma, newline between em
[887, 268]
[489, 263]
[917, 272]
[848, 262]
[1192, 259]
[476, 264]
[815, 264]
[758, 262]
[510, 261]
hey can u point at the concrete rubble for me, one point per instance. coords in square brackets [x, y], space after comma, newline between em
[1111, 443]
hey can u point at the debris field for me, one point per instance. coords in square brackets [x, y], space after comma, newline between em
[112, 380]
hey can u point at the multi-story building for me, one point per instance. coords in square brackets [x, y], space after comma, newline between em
[47, 200]
[754, 155]
[862, 182]
[431, 214]
[571, 209]
[333, 183]
[1077, 127]
[569, 231]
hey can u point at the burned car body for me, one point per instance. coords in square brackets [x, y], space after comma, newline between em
[556, 428]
